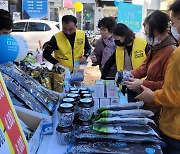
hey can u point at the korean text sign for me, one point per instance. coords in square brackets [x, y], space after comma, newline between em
[130, 15]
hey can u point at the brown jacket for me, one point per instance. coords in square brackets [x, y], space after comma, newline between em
[154, 69]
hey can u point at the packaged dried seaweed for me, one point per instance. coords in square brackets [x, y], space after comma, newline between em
[128, 106]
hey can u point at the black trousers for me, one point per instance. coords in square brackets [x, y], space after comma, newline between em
[130, 94]
[172, 145]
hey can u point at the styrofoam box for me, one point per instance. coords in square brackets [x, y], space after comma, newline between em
[48, 121]
[111, 89]
[104, 102]
[35, 124]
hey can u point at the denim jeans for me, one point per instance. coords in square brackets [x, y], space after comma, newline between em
[172, 145]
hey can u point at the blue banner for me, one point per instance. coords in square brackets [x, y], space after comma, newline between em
[131, 15]
[35, 9]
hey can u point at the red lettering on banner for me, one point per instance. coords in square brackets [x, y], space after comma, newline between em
[1, 91]
[20, 147]
[10, 123]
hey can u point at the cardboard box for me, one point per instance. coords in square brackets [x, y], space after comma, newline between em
[99, 89]
[96, 104]
[47, 125]
[104, 102]
[35, 124]
[115, 101]
[111, 89]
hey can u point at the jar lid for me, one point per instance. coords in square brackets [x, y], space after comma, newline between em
[66, 105]
[62, 129]
[71, 95]
[87, 95]
[66, 108]
[71, 100]
[83, 88]
[73, 89]
[85, 92]
[75, 92]
[86, 100]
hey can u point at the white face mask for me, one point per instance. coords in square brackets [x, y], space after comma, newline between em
[175, 32]
[152, 42]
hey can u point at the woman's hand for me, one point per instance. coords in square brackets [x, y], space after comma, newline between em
[147, 97]
[82, 60]
[134, 84]
[94, 59]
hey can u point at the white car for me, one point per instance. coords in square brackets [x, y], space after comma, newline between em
[35, 32]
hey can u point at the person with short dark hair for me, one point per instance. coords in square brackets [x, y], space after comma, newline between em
[156, 29]
[69, 45]
[105, 46]
[6, 22]
[130, 54]
[175, 20]
[169, 96]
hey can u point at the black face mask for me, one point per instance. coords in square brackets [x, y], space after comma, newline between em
[69, 36]
[118, 43]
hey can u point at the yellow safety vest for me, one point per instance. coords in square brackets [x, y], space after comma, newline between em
[138, 54]
[65, 55]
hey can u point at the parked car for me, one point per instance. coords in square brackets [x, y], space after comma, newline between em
[35, 32]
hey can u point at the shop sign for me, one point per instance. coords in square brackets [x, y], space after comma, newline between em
[130, 15]
[12, 139]
[36, 9]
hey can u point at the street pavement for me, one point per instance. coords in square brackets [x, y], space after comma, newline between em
[91, 74]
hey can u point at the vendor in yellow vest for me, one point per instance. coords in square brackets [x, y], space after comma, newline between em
[69, 45]
[129, 54]
[169, 96]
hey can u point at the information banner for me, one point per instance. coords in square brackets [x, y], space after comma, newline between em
[130, 15]
[11, 135]
[36, 9]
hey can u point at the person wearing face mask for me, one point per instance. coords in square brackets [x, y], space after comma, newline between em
[175, 20]
[6, 22]
[154, 67]
[105, 46]
[168, 97]
[69, 45]
[130, 54]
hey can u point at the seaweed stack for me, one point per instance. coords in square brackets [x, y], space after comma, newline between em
[119, 129]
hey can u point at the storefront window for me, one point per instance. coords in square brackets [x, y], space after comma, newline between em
[87, 23]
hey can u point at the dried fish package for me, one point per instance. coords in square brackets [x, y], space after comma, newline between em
[26, 97]
[16, 73]
[31, 86]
